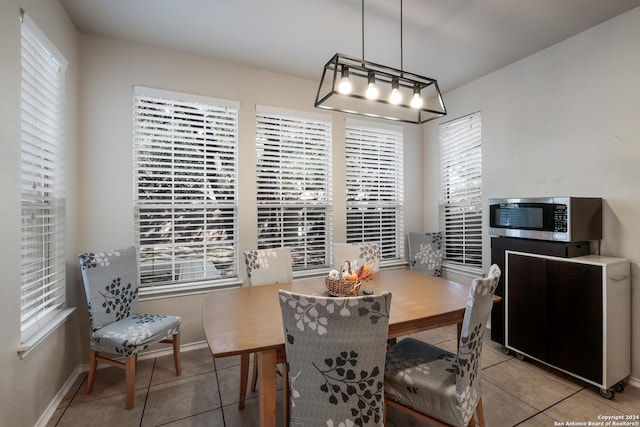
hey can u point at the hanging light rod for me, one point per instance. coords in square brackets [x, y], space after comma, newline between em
[356, 86]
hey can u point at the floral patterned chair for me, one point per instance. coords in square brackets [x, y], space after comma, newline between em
[335, 351]
[111, 286]
[433, 384]
[425, 252]
[267, 266]
[363, 253]
[264, 266]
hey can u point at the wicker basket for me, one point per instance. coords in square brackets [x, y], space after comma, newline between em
[343, 287]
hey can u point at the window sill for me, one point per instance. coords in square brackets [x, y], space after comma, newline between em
[184, 289]
[29, 345]
[395, 263]
[462, 269]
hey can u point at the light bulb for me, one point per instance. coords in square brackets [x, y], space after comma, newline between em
[344, 87]
[416, 100]
[395, 97]
[372, 91]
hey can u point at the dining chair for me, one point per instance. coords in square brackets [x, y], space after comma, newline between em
[363, 253]
[111, 287]
[335, 349]
[438, 386]
[425, 252]
[264, 266]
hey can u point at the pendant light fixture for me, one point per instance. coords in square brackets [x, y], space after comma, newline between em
[356, 86]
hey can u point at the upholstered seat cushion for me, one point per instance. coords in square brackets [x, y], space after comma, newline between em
[135, 333]
[423, 377]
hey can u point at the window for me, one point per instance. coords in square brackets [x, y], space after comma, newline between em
[185, 194]
[42, 269]
[293, 172]
[461, 190]
[375, 191]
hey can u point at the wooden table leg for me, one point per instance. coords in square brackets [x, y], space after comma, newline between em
[267, 370]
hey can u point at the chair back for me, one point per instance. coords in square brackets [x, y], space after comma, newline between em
[476, 316]
[363, 253]
[111, 285]
[335, 349]
[425, 252]
[267, 266]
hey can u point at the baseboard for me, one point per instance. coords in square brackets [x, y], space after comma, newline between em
[80, 369]
[55, 403]
[167, 351]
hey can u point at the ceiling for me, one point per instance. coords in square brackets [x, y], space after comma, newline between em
[453, 41]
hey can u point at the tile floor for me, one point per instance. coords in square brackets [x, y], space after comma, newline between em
[515, 393]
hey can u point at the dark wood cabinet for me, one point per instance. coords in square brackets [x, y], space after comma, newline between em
[527, 327]
[570, 313]
[501, 244]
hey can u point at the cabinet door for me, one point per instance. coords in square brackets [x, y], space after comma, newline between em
[574, 314]
[527, 304]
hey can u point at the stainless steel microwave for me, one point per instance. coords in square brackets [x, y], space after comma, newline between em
[562, 219]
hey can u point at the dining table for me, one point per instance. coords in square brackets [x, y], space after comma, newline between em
[247, 319]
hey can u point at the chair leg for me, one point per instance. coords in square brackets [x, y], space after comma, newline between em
[480, 412]
[472, 421]
[93, 364]
[285, 393]
[176, 353]
[244, 376]
[384, 411]
[254, 377]
[130, 378]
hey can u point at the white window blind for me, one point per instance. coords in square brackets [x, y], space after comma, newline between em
[461, 190]
[293, 172]
[375, 189]
[185, 195]
[42, 287]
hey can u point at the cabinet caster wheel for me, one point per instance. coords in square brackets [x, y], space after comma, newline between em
[618, 388]
[607, 393]
[520, 356]
[505, 350]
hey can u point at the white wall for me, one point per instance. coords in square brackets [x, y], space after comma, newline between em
[563, 122]
[109, 71]
[29, 385]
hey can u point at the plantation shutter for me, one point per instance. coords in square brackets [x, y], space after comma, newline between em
[294, 187]
[42, 284]
[375, 189]
[461, 190]
[185, 195]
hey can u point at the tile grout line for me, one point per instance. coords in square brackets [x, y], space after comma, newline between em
[523, 401]
[215, 369]
[146, 396]
[551, 406]
[66, 407]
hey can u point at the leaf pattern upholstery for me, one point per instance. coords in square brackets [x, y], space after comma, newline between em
[438, 383]
[267, 266]
[362, 253]
[111, 287]
[425, 252]
[264, 267]
[335, 349]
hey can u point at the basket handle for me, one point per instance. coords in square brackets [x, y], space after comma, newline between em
[348, 264]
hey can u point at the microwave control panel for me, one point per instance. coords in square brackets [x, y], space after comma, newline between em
[560, 219]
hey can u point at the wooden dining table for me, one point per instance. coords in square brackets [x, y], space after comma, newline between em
[245, 320]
